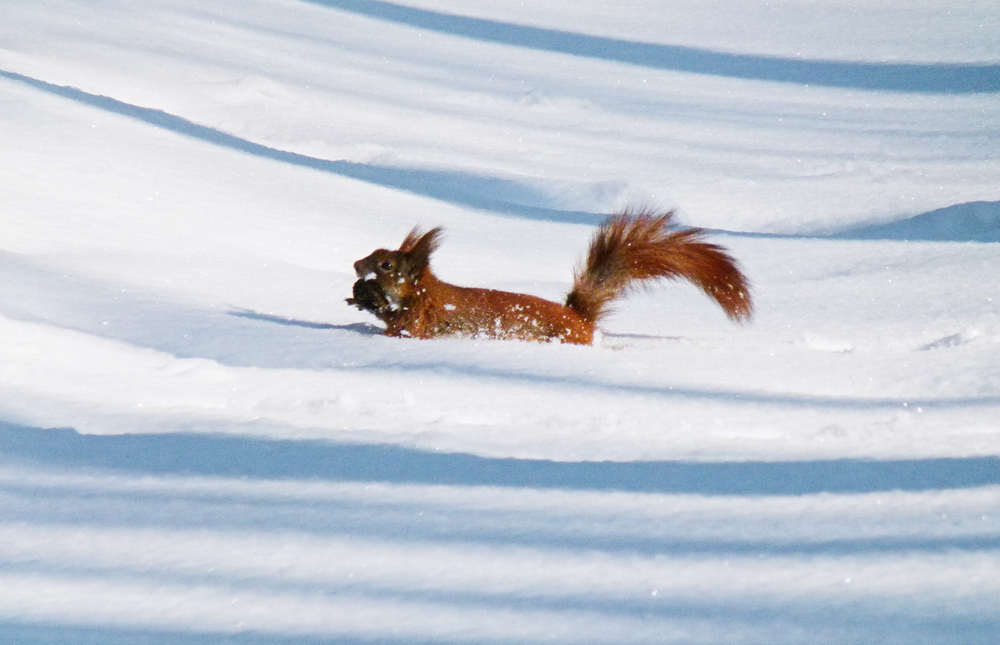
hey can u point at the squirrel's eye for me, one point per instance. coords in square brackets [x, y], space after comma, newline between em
[386, 266]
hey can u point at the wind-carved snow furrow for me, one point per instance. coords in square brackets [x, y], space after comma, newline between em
[899, 77]
[198, 576]
[466, 189]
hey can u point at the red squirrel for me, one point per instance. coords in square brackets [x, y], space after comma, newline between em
[629, 249]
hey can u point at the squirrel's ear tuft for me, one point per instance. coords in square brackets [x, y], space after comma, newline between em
[417, 236]
[418, 248]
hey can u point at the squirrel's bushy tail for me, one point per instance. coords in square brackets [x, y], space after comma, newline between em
[632, 248]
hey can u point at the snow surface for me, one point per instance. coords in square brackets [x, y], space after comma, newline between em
[200, 442]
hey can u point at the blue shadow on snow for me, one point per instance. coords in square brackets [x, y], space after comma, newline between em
[897, 77]
[870, 623]
[365, 329]
[239, 456]
[24, 633]
[464, 189]
[969, 222]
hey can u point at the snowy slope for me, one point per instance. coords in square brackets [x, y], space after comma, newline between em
[200, 442]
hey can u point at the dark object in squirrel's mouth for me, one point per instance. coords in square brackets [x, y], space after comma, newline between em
[368, 296]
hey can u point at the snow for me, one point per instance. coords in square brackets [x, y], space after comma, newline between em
[200, 442]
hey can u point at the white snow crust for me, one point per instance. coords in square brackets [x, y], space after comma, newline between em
[200, 442]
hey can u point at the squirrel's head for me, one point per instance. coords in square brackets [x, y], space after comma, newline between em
[396, 273]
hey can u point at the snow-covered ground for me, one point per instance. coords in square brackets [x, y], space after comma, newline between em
[200, 442]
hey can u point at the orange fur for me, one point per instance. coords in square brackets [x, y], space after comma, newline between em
[629, 249]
